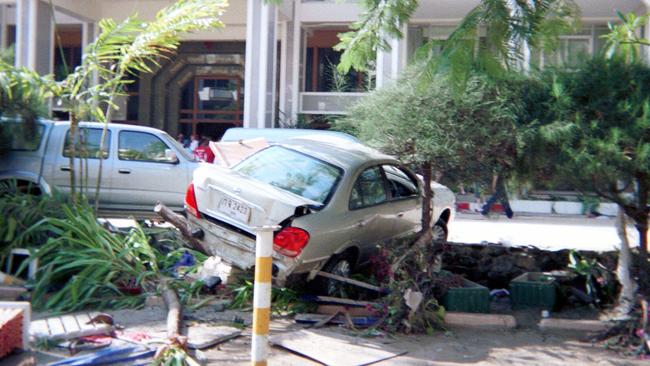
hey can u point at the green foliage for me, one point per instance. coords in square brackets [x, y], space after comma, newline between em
[461, 137]
[83, 264]
[508, 26]
[380, 19]
[600, 132]
[21, 216]
[23, 93]
[623, 39]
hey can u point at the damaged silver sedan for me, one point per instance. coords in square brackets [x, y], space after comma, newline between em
[334, 203]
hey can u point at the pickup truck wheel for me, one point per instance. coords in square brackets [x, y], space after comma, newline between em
[439, 232]
[340, 265]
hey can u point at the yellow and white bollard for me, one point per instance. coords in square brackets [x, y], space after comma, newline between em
[262, 294]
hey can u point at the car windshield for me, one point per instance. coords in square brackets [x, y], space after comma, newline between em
[179, 147]
[292, 171]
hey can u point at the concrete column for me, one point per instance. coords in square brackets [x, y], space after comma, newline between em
[3, 26]
[35, 36]
[259, 92]
[295, 52]
[391, 62]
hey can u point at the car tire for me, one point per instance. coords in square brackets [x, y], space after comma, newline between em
[439, 232]
[341, 265]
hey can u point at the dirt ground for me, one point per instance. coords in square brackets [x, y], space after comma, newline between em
[526, 345]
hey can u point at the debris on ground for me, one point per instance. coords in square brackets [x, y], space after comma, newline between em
[67, 327]
[332, 348]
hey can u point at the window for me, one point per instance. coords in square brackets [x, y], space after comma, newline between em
[401, 184]
[570, 50]
[15, 134]
[87, 143]
[292, 171]
[142, 146]
[369, 189]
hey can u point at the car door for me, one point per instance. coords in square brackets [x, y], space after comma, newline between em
[405, 199]
[86, 163]
[144, 173]
[369, 211]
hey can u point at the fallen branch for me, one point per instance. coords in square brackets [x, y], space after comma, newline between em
[174, 310]
[182, 225]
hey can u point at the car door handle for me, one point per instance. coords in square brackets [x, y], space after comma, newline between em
[361, 224]
[124, 171]
[400, 214]
[65, 168]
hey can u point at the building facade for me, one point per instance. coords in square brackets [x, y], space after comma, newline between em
[270, 66]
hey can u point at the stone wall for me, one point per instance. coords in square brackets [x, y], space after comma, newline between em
[494, 265]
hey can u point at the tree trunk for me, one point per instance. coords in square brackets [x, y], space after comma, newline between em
[174, 310]
[73, 142]
[182, 225]
[427, 204]
[425, 237]
[629, 287]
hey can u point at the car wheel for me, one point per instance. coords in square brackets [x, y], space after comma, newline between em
[340, 265]
[439, 232]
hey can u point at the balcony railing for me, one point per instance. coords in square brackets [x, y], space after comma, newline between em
[327, 102]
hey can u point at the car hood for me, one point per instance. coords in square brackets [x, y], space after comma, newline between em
[246, 203]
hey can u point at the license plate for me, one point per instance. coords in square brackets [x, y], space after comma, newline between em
[235, 209]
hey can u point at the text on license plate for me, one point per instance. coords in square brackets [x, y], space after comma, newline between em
[235, 209]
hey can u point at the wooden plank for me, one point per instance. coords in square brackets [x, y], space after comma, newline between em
[350, 281]
[204, 336]
[339, 301]
[56, 326]
[11, 293]
[353, 311]
[359, 321]
[84, 322]
[331, 348]
[70, 323]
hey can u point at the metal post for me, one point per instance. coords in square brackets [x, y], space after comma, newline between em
[262, 294]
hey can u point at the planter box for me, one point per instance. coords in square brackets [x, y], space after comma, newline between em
[533, 289]
[472, 298]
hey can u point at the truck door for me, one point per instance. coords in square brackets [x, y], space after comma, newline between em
[144, 173]
[86, 162]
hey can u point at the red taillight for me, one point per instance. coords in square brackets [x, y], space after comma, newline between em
[290, 241]
[190, 201]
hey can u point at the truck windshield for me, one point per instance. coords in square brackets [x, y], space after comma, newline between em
[292, 171]
[181, 150]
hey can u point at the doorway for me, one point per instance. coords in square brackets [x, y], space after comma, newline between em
[209, 105]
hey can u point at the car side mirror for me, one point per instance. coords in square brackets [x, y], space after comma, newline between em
[170, 156]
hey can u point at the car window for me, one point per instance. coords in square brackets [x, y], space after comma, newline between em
[87, 143]
[401, 185]
[292, 171]
[19, 137]
[142, 146]
[369, 189]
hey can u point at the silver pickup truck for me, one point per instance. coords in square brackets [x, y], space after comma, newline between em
[141, 166]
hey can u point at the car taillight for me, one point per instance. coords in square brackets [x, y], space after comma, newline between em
[290, 241]
[190, 201]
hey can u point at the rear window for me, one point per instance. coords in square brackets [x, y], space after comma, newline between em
[292, 171]
[19, 138]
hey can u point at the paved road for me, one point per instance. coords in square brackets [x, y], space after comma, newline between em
[544, 232]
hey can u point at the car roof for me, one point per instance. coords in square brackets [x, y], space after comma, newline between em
[342, 153]
[279, 134]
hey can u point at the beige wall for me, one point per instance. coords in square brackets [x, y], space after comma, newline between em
[234, 18]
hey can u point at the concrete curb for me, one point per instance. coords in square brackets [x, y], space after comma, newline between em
[483, 321]
[575, 325]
